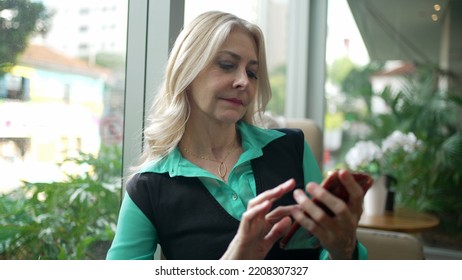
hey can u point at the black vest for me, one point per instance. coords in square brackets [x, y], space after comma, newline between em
[191, 224]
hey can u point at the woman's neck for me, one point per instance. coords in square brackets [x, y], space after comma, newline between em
[210, 139]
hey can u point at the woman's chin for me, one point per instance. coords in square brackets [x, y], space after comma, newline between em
[231, 117]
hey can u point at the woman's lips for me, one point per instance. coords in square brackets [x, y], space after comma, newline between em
[234, 101]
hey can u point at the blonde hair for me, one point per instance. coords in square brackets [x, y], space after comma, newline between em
[194, 49]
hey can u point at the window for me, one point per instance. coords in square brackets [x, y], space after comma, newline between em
[395, 67]
[61, 133]
[272, 17]
[84, 11]
[15, 87]
[83, 46]
[83, 29]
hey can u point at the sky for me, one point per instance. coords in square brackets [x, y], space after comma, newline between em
[341, 26]
[241, 8]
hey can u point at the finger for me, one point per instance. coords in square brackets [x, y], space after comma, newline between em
[273, 194]
[329, 200]
[324, 199]
[354, 190]
[279, 213]
[309, 208]
[278, 230]
[303, 219]
[304, 201]
[249, 216]
[309, 224]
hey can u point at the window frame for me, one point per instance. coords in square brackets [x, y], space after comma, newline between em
[148, 45]
[152, 29]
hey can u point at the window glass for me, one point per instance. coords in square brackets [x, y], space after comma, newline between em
[271, 16]
[394, 103]
[61, 104]
[345, 49]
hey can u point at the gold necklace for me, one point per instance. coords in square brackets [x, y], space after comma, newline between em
[222, 167]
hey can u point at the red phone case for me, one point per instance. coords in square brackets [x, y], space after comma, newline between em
[332, 184]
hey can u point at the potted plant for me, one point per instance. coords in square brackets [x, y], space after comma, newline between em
[430, 178]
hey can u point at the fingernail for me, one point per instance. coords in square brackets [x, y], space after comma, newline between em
[298, 193]
[310, 187]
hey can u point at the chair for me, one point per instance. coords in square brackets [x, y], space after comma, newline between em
[313, 135]
[390, 245]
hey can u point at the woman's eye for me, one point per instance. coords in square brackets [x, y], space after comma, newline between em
[226, 65]
[252, 74]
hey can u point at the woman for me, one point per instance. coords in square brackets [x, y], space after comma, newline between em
[213, 185]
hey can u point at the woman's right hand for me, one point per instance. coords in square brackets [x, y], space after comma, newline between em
[260, 229]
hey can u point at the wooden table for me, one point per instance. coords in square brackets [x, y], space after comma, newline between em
[403, 220]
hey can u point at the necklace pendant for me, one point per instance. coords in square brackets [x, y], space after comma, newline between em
[222, 170]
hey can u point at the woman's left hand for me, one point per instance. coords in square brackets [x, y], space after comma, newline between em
[260, 229]
[337, 234]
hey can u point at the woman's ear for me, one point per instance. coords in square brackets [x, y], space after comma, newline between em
[188, 90]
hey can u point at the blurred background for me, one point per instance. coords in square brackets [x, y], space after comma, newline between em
[77, 76]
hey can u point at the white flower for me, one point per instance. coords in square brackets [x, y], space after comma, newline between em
[370, 157]
[408, 142]
[362, 154]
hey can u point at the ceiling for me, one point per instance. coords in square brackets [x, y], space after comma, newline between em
[405, 30]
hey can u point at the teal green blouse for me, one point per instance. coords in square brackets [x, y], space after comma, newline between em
[136, 237]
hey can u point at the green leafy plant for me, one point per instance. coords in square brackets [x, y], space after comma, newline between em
[74, 219]
[429, 179]
[278, 86]
[18, 21]
[432, 115]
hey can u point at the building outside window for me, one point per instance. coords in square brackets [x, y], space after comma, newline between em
[61, 128]
[62, 105]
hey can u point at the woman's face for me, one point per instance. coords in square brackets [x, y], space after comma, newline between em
[225, 89]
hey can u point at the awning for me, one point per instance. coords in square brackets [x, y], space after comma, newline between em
[411, 30]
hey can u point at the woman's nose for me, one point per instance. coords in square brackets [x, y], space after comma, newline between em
[242, 79]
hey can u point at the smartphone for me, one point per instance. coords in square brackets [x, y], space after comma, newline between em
[333, 184]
